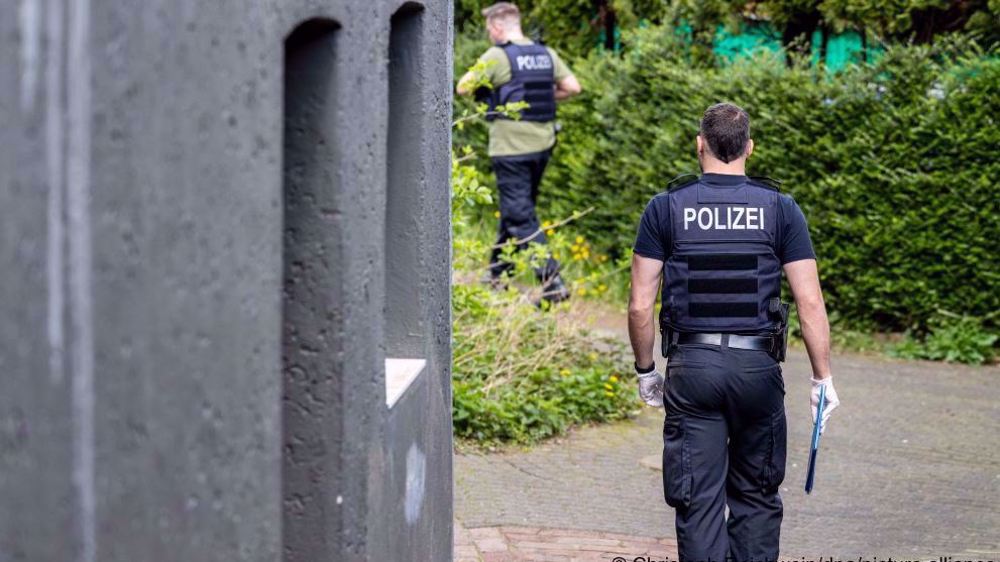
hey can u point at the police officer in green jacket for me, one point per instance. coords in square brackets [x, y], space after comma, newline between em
[519, 149]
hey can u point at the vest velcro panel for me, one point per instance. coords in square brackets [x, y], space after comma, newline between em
[721, 262]
[723, 310]
[740, 286]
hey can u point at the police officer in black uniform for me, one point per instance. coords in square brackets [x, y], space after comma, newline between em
[719, 242]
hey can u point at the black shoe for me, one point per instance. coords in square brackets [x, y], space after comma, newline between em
[498, 284]
[555, 291]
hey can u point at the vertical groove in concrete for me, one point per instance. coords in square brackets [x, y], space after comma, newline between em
[31, 40]
[405, 327]
[54, 164]
[80, 263]
[313, 376]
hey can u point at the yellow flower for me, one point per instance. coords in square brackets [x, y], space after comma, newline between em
[546, 224]
[602, 287]
[593, 357]
[550, 232]
[613, 378]
[581, 291]
[608, 386]
[579, 239]
[496, 214]
[606, 393]
[565, 372]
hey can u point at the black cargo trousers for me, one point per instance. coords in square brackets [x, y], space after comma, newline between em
[724, 441]
[518, 180]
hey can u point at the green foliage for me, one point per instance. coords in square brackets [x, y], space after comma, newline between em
[563, 24]
[521, 373]
[573, 26]
[469, 45]
[922, 20]
[894, 164]
[476, 78]
[956, 339]
[890, 20]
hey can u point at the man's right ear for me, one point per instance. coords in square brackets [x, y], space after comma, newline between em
[701, 144]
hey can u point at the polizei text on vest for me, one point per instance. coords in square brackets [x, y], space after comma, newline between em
[534, 62]
[724, 218]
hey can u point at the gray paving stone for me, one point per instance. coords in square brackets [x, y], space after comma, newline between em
[909, 466]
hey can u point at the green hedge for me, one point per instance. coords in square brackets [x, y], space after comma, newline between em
[895, 164]
[521, 374]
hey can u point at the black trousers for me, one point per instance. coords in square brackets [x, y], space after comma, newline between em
[724, 441]
[518, 179]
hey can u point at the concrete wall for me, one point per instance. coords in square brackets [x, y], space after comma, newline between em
[193, 278]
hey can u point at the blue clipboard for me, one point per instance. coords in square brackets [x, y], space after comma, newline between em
[814, 447]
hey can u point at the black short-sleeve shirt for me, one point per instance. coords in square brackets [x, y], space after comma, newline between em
[793, 244]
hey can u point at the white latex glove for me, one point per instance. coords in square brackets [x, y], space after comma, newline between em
[831, 400]
[651, 387]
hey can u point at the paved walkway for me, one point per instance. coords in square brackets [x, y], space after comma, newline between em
[514, 543]
[909, 467]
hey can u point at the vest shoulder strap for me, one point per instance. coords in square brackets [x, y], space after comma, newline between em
[681, 181]
[512, 49]
[766, 182]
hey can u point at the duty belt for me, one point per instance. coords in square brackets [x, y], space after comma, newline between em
[758, 343]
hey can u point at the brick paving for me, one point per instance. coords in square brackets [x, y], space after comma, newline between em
[909, 467]
[516, 543]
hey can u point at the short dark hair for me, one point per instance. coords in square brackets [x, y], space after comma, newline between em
[726, 129]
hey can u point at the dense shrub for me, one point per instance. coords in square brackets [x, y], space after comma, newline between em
[954, 339]
[523, 372]
[895, 164]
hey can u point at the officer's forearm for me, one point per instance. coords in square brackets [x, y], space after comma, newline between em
[641, 334]
[567, 88]
[563, 94]
[463, 87]
[816, 333]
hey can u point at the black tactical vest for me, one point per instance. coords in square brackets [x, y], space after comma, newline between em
[722, 271]
[532, 80]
